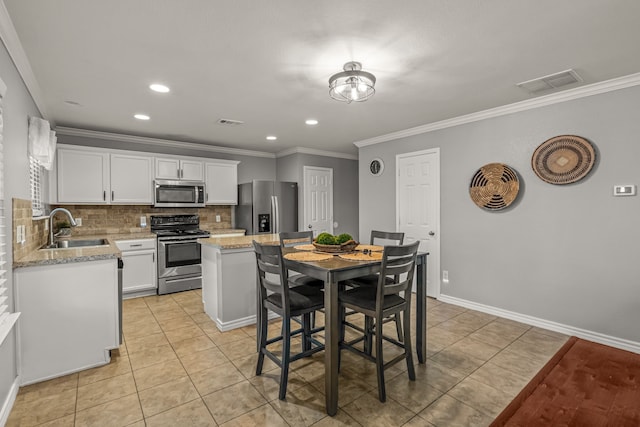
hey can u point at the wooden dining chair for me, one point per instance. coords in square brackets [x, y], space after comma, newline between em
[276, 294]
[380, 238]
[290, 239]
[384, 300]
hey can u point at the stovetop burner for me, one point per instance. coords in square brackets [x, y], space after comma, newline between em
[177, 225]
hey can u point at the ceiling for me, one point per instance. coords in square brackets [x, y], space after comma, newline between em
[267, 63]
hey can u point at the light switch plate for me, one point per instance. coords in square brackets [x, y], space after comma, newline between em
[624, 190]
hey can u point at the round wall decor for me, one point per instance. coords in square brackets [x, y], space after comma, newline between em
[494, 186]
[376, 166]
[563, 159]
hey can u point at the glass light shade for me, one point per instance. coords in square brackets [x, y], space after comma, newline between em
[352, 84]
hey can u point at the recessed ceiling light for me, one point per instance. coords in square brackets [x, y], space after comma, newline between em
[311, 122]
[142, 117]
[157, 87]
[271, 138]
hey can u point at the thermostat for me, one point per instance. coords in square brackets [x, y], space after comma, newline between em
[624, 190]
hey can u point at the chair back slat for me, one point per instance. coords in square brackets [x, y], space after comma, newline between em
[272, 276]
[387, 237]
[292, 238]
[397, 261]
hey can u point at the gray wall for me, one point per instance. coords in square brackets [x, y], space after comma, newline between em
[17, 106]
[345, 187]
[567, 254]
[249, 168]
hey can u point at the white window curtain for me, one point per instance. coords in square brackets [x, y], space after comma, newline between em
[7, 319]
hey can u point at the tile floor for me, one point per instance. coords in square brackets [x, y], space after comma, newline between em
[176, 368]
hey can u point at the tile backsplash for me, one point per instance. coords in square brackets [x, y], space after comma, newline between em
[104, 219]
[118, 219]
[35, 233]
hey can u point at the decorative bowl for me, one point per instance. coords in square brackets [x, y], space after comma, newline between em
[347, 246]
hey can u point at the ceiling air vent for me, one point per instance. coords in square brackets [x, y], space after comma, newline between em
[552, 81]
[229, 122]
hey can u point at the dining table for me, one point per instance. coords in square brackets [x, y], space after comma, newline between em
[335, 270]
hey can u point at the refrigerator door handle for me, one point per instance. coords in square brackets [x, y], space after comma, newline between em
[276, 214]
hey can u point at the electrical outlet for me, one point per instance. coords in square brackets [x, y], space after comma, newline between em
[78, 222]
[445, 276]
[217, 218]
[18, 234]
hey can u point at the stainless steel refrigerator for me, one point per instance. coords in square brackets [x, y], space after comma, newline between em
[266, 207]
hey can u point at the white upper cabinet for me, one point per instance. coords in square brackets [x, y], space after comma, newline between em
[179, 169]
[83, 176]
[221, 182]
[131, 179]
[88, 175]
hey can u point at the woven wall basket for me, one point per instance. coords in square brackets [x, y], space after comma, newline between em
[494, 186]
[563, 159]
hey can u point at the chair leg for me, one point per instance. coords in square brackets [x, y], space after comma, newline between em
[368, 334]
[408, 351]
[382, 394]
[284, 369]
[262, 339]
[306, 331]
[398, 326]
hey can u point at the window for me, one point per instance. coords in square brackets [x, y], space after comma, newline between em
[7, 319]
[35, 180]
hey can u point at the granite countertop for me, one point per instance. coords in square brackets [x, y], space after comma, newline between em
[239, 242]
[64, 256]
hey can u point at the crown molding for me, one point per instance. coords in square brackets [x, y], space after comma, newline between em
[543, 101]
[156, 142]
[313, 151]
[11, 41]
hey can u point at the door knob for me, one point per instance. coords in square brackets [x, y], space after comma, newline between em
[309, 226]
[431, 233]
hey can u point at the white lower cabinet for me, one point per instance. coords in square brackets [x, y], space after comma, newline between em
[139, 271]
[69, 319]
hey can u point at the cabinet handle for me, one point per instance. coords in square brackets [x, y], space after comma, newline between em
[135, 246]
[113, 195]
[104, 195]
[153, 257]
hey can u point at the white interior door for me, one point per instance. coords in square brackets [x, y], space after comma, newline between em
[318, 200]
[418, 207]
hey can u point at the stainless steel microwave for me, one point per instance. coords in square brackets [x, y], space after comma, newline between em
[179, 194]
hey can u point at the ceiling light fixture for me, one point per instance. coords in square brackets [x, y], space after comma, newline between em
[352, 84]
[272, 138]
[311, 122]
[156, 87]
[142, 117]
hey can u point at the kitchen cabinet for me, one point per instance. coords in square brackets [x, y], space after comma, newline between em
[179, 169]
[94, 177]
[131, 179]
[139, 272]
[221, 179]
[69, 318]
[83, 176]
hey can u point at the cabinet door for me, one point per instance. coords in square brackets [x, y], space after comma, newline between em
[139, 271]
[222, 183]
[83, 177]
[167, 168]
[131, 179]
[192, 170]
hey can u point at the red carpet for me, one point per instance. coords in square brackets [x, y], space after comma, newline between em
[584, 384]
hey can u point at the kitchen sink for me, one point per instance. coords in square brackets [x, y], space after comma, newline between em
[73, 244]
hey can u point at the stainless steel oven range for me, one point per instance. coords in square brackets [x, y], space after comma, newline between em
[179, 259]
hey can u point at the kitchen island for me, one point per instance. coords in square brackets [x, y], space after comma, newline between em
[229, 279]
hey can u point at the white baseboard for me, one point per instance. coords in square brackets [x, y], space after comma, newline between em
[546, 324]
[239, 323]
[9, 401]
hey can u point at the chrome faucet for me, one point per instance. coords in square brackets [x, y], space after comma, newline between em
[52, 214]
